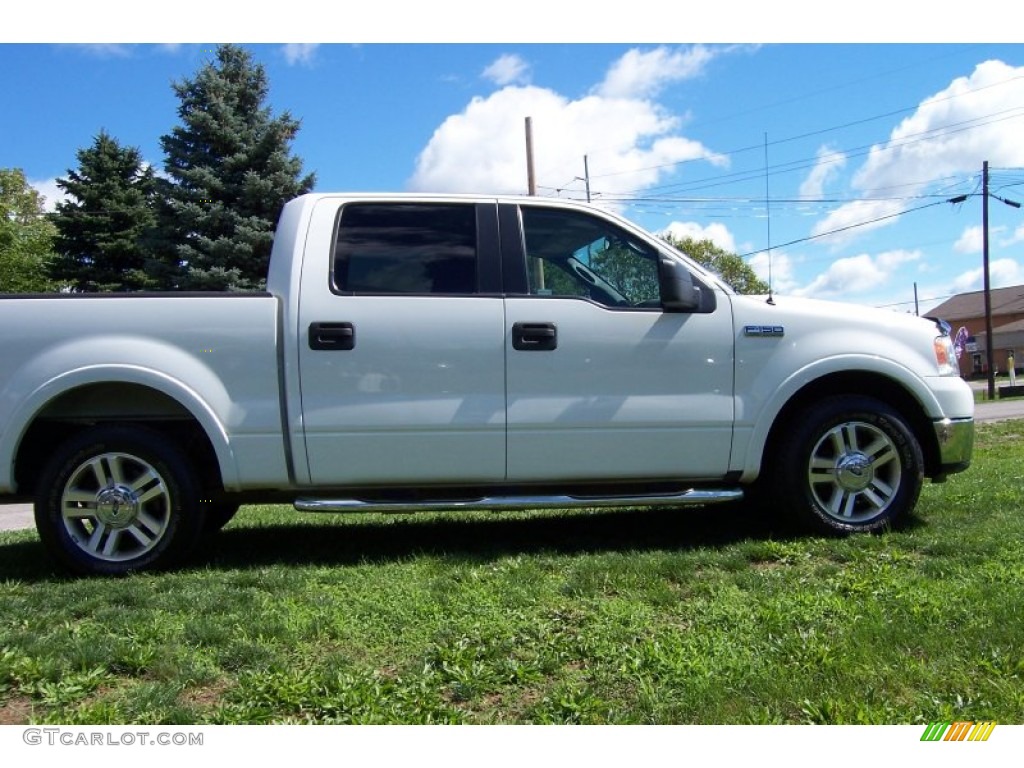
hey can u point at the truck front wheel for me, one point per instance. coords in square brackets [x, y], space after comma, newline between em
[849, 464]
[117, 499]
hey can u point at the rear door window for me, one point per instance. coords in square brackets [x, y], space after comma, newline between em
[406, 248]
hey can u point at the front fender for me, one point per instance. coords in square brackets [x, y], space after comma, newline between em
[757, 411]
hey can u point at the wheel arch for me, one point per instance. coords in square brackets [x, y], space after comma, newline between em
[133, 397]
[861, 383]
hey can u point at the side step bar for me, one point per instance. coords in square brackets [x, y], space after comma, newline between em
[691, 497]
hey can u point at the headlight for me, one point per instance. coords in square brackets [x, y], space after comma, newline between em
[945, 356]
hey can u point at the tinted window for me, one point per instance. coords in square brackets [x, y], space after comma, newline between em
[573, 254]
[406, 248]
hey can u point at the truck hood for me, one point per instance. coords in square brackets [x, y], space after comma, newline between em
[809, 314]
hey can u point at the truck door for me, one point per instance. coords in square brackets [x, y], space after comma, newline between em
[402, 359]
[603, 384]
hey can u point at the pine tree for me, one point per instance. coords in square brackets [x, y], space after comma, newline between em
[231, 170]
[26, 236]
[104, 227]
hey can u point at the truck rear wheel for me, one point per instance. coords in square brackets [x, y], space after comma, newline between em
[849, 464]
[117, 499]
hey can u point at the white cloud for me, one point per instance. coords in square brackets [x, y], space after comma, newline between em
[857, 274]
[830, 162]
[949, 134]
[852, 219]
[632, 142]
[1016, 237]
[642, 74]
[158, 171]
[716, 232]
[854, 274]
[890, 260]
[124, 50]
[507, 69]
[106, 50]
[1002, 273]
[970, 241]
[780, 270]
[299, 53]
[50, 191]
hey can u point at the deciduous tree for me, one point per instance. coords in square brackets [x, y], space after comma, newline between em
[26, 236]
[727, 265]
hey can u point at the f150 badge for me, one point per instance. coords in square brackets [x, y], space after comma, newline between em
[764, 330]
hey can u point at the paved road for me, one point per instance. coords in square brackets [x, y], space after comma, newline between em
[17, 516]
[999, 410]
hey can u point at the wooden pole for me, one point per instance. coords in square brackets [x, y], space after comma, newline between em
[531, 181]
[990, 342]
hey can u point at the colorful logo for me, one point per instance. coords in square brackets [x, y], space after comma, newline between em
[959, 731]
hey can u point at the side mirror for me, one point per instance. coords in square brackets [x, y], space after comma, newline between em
[678, 293]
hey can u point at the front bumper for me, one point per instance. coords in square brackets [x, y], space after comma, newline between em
[955, 438]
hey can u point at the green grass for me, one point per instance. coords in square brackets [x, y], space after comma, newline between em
[981, 393]
[691, 616]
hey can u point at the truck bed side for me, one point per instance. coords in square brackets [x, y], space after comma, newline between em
[208, 359]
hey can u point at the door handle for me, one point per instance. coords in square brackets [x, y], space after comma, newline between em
[534, 337]
[332, 336]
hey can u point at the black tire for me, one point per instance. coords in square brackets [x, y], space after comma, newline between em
[217, 514]
[118, 499]
[848, 464]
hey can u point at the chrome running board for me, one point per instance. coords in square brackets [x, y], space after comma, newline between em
[691, 497]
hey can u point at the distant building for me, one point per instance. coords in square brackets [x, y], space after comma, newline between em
[967, 310]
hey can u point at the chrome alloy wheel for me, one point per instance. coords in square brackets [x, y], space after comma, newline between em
[116, 507]
[854, 472]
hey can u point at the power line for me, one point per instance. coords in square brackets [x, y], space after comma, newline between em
[777, 200]
[855, 152]
[847, 227]
[912, 301]
[722, 207]
[834, 87]
[819, 131]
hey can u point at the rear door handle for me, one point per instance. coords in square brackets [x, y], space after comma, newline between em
[332, 336]
[534, 337]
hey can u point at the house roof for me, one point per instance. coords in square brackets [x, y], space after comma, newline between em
[964, 306]
[1014, 327]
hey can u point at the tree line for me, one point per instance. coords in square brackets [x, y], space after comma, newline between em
[206, 222]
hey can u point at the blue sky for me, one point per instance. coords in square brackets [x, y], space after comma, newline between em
[677, 135]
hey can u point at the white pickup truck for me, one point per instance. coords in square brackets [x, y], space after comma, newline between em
[452, 352]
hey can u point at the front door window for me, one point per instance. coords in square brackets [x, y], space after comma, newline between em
[570, 254]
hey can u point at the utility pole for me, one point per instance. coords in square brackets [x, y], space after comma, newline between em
[586, 176]
[537, 269]
[531, 181]
[917, 309]
[989, 341]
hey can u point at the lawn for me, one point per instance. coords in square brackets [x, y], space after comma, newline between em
[692, 616]
[981, 389]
